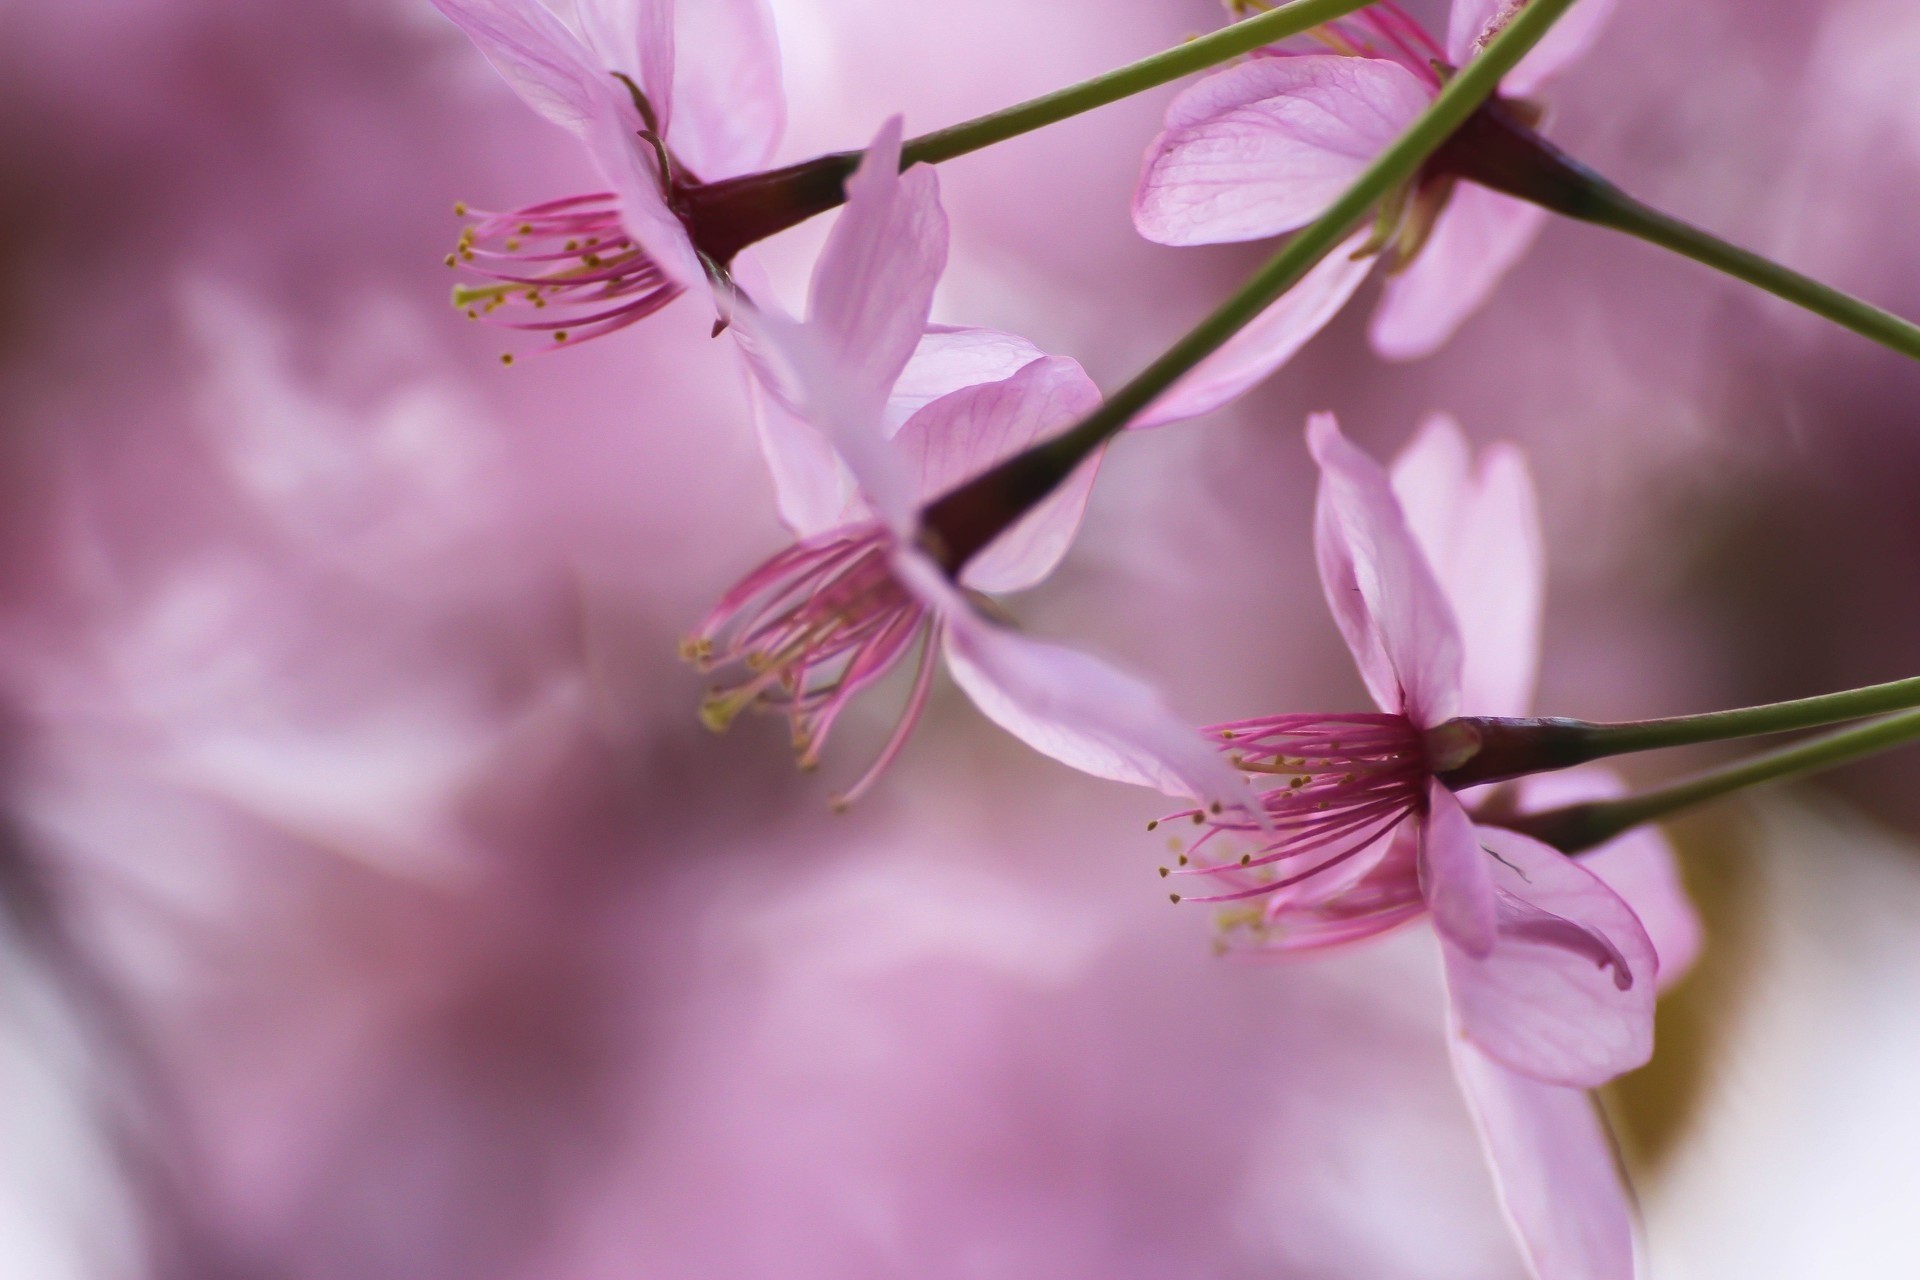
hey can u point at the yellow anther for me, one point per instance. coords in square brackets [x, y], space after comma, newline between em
[450, 260]
[506, 357]
[459, 208]
[1164, 873]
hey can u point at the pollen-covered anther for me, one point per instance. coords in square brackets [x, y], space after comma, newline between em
[571, 258]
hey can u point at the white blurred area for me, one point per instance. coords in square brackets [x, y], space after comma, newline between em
[1803, 1156]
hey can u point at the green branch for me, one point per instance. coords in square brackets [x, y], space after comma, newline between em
[1195, 55]
[1583, 826]
[964, 521]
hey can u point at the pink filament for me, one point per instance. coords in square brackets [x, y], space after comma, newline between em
[1334, 786]
[812, 628]
[570, 261]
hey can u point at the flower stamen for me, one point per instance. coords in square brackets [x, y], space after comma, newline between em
[570, 258]
[808, 631]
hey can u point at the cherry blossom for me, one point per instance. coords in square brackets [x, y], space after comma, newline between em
[1435, 576]
[1262, 148]
[866, 414]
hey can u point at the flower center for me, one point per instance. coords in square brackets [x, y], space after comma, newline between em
[1332, 788]
[808, 631]
[565, 267]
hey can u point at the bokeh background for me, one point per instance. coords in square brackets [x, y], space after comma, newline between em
[374, 906]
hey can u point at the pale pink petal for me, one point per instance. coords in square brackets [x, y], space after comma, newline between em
[535, 52]
[1266, 145]
[1480, 530]
[806, 387]
[1639, 865]
[1456, 877]
[948, 359]
[630, 168]
[1382, 592]
[1433, 479]
[1555, 1168]
[1472, 24]
[1478, 238]
[1071, 706]
[812, 488]
[635, 38]
[1566, 995]
[873, 285]
[965, 432]
[729, 105]
[1268, 342]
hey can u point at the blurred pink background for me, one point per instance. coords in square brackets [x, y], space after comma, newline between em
[376, 906]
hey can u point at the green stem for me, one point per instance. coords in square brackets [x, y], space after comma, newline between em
[727, 216]
[1476, 749]
[1502, 151]
[1195, 55]
[1583, 826]
[1623, 213]
[964, 521]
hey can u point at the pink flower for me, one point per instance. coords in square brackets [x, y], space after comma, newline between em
[1435, 578]
[866, 413]
[663, 100]
[1264, 146]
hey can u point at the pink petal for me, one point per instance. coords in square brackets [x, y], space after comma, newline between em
[1266, 145]
[1480, 532]
[535, 52]
[1268, 342]
[965, 432]
[1469, 27]
[730, 107]
[1639, 866]
[1071, 706]
[635, 38]
[948, 359]
[1379, 586]
[1456, 876]
[873, 285]
[812, 488]
[629, 167]
[1476, 241]
[1555, 1168]
[806, 387]
[1566, 995]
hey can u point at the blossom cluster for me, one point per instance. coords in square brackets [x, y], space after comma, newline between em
[895, 446]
